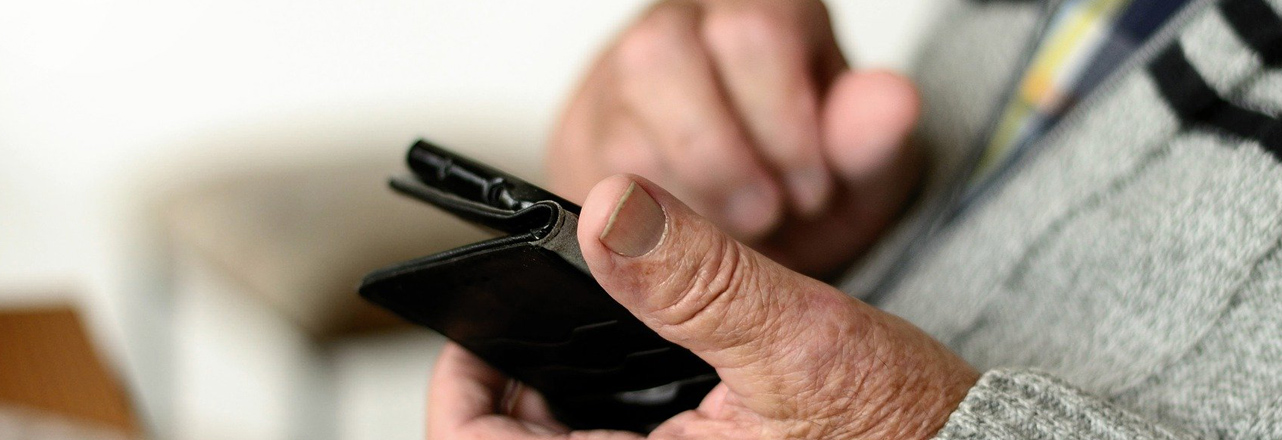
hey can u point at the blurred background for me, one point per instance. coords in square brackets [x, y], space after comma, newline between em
[191, 190]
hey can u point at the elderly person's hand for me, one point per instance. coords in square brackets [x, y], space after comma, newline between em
[747, 110]
[798, 358]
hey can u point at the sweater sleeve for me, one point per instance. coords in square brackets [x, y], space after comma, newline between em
[1025, 404]
[1228, 386]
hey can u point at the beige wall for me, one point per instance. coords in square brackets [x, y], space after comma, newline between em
[109, 107]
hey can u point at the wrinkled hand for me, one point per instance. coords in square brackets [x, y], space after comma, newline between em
[798, 358]
[746, 109]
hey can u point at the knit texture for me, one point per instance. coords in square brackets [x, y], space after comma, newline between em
[1124, 280]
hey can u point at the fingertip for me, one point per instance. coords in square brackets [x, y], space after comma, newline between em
[599, 217]
[727, 184]
[626, 215]
[810, 187]
[887, 94]
[753, 209]
[867, 117]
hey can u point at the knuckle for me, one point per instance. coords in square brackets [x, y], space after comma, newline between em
[794, 149]
[709, 157]
[708, 143]
[658, 36]
[704, 293]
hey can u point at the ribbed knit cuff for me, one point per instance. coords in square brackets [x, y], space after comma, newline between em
[1021, 404]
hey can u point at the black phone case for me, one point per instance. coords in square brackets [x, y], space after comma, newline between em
[526, 303]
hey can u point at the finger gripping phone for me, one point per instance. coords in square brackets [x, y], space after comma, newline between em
[525, 302]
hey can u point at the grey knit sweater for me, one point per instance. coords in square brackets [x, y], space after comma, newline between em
[1124, 279]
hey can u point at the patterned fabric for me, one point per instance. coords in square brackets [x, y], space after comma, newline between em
[1086, 40]
[1123, 279]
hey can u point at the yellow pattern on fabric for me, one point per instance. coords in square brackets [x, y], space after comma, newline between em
[1074, 35]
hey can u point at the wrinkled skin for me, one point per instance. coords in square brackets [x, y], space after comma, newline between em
[792, 165]
[798, 358]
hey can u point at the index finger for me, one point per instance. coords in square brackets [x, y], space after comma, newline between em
[468, 399]
[668, 81]
[773, 59]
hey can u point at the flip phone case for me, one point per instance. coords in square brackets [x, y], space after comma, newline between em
[526, 303]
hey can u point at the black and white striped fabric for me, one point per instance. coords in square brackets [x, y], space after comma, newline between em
[1201, 106]
[1124, 280]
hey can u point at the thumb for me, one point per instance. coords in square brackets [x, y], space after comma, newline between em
[762, 326]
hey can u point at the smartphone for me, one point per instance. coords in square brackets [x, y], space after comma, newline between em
[526, 303]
